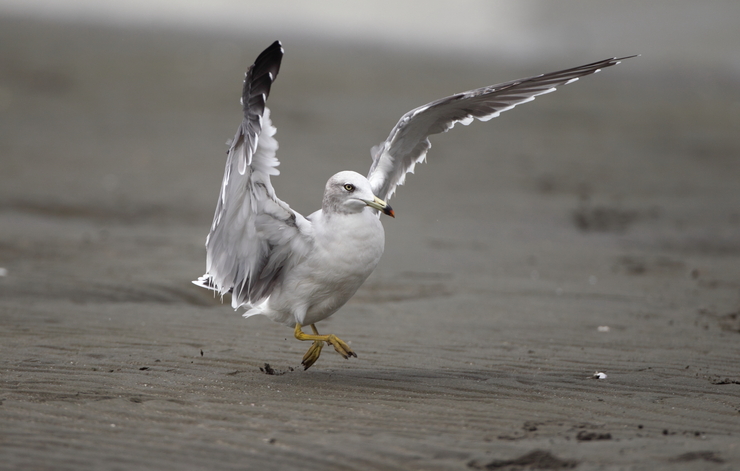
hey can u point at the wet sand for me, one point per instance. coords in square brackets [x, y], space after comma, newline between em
[594, 230]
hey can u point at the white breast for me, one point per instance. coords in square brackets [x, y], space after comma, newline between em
[347, 249]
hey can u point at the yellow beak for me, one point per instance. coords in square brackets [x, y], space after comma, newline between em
[381, 205]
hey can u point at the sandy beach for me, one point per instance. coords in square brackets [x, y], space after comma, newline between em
[595, 230]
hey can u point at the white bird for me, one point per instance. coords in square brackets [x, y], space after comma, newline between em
[300, 270]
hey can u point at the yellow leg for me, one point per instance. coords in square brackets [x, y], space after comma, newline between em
[318, 343]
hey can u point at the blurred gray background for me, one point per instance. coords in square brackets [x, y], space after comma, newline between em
[595, 229]
[120, 109]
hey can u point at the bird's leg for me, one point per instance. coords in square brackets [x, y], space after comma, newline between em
[318, 343]
[314, 351]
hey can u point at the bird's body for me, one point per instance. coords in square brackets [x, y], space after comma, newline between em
[300, 270]
[345, 250]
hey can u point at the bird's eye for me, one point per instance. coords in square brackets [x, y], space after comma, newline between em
[349, 187]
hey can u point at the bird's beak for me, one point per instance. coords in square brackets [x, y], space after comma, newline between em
[381, 205]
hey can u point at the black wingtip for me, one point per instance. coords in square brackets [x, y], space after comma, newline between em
[268, 61]
[618, 60]
[259, 78]
[273, 53]
[277, 45]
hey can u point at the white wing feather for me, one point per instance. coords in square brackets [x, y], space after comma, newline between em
[254, 235]
[408, 142]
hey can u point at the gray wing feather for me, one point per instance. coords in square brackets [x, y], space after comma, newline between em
[254, 235]
[257, 83]
[408, 142]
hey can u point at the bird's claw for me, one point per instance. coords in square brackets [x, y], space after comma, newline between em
[312, 354]
[341, 347]
[318, 343]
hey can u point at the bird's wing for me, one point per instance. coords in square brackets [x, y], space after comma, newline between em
[408, 142]
[254, 236]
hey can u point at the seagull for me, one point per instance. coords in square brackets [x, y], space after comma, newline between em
[300, 270]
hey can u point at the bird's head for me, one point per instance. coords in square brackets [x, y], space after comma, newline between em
[349, 192]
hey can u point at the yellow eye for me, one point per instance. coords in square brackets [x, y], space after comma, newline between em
[349, 187]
